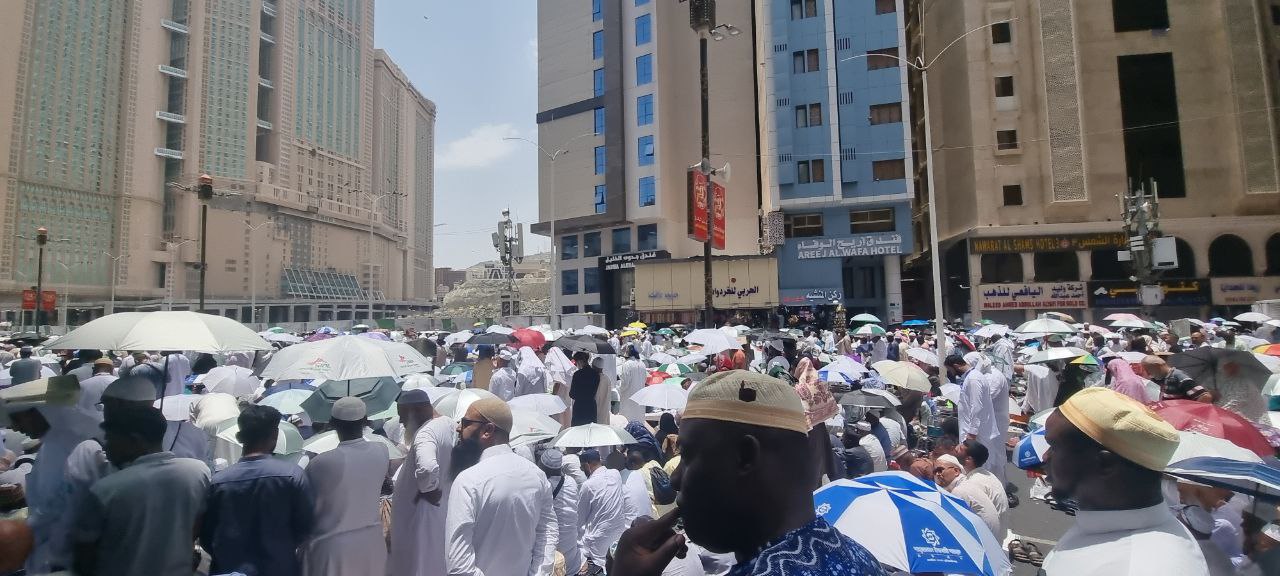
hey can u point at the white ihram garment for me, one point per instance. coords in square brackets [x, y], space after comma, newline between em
[418, 526]
[502, 519]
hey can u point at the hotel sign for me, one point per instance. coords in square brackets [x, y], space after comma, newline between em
[864, 245]
[623, 261]
[1051, 243]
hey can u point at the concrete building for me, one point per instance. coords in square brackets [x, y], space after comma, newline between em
[618, 90]
[838, 152]
[117, 107]
[1041, 120]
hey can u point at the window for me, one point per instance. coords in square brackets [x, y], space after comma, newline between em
[803, 9]
[885, 113]
[600, 159]
[590, 244]
[644, 69]
[809, 171]
[805, 61]
[568, 247]
[641, 2]
[621, 240]
[593, 309]
[1013, 195]
[597, 44]
[888, 170]
[591, 281]
[1131, 15]
[644, 150]
[808, 115]
[882, 58]
[1006, 139]
[601, 200]
[1004, 86]
[568, 282]
[1001, 33]
[597, 12]
[644, 29]
[597, 79]
[599, 120]
[802, 225]
[886, 6]
[869, 221]
[1149, 116]
[1275, 15]
[648, 193]
[644, 110]
[647, 237]
[568, 309]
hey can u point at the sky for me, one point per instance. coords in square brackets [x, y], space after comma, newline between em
[477, 60]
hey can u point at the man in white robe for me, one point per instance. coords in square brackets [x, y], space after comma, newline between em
[984, 415]
[601, 509]
[347, 484]
[1042, 387]
[419, 500]
[633, 378]
[564, 491]
[531, 374]
[503, 383]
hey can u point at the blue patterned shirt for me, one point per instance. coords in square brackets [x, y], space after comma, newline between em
[816, 548]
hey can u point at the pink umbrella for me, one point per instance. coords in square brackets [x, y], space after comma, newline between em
[530, 337]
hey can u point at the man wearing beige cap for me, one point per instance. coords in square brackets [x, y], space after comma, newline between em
[743, 437]
[1107, 451]
[501, 519]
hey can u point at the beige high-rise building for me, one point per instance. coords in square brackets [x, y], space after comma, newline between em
[618, 96]
[1042, 119]
[110, 111]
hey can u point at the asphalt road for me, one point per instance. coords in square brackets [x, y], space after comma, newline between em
[1034, 519]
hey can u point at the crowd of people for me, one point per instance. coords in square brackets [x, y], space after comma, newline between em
[97, 478]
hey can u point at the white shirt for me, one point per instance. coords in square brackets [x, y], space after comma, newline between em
[876, 451]
[976, 410]
[633, 378]
[635, 495]
[503, 383]
[501, 518]
[896, 435]
[347, 537]
[178, 367]
[1126, 542]
[1042, 388]
[602, 513]
[566, 505]
[418, 526]
[979, 503]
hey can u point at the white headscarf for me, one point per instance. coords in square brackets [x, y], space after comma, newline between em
[529, 366]
[558, 366]
[978, 361]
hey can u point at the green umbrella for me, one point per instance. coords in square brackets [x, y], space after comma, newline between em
[666, 332]
[288, 441]
[869, 330]
[675, 369]
[864, 317]
[675, 381]
[378, 394]
[287, 401]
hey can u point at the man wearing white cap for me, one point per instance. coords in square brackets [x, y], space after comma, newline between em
[601, 507]
[867, 441]
[503, 381]
[419, 500]
[949, 474]
[347, 483]
[564, 490]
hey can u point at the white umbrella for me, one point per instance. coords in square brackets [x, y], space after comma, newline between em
[346, 358]
[1132, 323]
[1045, 326]
[923, 356]
[662, 358]
[887, 395]
[1121, 316]
[903, 375]
[844, 368]
[1256, 317]
[326, 441]
[288, 441]
[177, 408]
[592, 436]
[870, 330]
[454, 404]
[690, 359]
[530, 427]
[713, 341]
[991, 330]
[664, 396]
[1130, 357]
[1195, 445]
[1271, 363]
[498, 329]
[286, 401]
[283, 337]
[547, 404]
[1050, 354]
[864, 317]
[950, 392]
[1250, 342]
[233, 380]
[459, 337]
[163, 331]
[592, 330]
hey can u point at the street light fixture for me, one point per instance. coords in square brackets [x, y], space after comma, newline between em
[115, 269]
[41, 238]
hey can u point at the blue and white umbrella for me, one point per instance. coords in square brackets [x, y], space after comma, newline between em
[914, 530]
[1259, 479]
[1031, 450]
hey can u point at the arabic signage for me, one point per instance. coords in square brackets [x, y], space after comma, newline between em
[1124, 294]
[1051, 243]
[811, 297]
[848, 246]
[624, 261]
[717, 216]
[1244, 291]
[1033, 296]
[48, 300]
[737, 283]
[697, 205]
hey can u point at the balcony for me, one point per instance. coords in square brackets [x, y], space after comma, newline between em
[269, 8]
[169, 153]
[263, 82]
[171, 117]
[263, 124]
[269, 39]
[174, 26]
[171, 71]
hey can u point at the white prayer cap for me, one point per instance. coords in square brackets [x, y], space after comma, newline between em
[551, 458]
[1272, 531]
[131, 388]
[349, 409]
[507, 354]
[949, 460]
[413, 396]
[862, 426]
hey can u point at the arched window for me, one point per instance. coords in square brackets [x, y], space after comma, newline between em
[1229, 255]
[1273, 255]
[1001, 268]
[1057, 266]
[1107, 266]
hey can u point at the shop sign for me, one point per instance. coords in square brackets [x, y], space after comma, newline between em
[1124, 293]
[699, 203]
[623, 261]
[849, 246]
[810, 297]
[1244, 291]
[1065, 295]
[1048, 243]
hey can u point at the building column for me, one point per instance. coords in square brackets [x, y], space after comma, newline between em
[893, 287]
[975, 294]
[1028, 266]
[1084, 261]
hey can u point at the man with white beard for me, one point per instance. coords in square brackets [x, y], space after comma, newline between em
[421, 495]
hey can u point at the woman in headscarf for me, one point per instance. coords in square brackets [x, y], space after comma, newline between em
[532, 374]
[668, 435]
[560, 371]
[1122, 379]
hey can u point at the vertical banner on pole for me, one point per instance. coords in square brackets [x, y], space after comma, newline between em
[717, 216]
[698, 205]
[48, 300]
[28, 299]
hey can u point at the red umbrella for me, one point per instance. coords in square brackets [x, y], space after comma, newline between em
[1268, 349]
[656, 378]
[1212, 420]
[530, 337]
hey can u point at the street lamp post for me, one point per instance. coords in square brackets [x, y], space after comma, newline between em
[373, 219]
[922, 65]
[42, 238]
[253, 274]
[115, 269]
[552, 157]
[204, 191]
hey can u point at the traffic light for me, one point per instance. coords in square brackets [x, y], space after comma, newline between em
[42, 236]
[204, 190]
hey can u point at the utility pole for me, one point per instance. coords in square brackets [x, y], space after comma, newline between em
[510, 248]
[204, 191]
[1141, 209]
[42, 238]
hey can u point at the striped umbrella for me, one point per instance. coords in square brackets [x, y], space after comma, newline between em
[675, 368]
[917, 530]
[870, 330]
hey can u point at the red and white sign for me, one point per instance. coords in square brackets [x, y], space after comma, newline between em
[28, 299]
[718, 206]
[698, 205]
[49, 300]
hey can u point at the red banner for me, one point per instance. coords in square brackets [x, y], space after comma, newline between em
[697, 205]
[49, 300]
[28, 299]
[717, 216]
